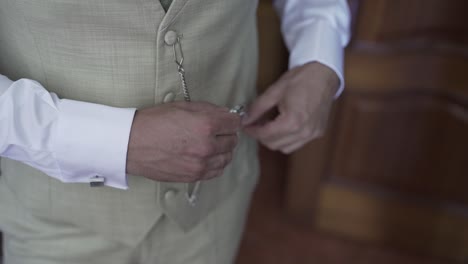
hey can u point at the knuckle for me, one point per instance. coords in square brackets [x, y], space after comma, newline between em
[320, 132]
[206, 150]
[271, 146]
[227, 159]
[286, 151]
[199, 168]
[306, 133]
[230, 146]
[301, 117]
[235, 141]
[214, 174]
[317, 133]
[295, 124]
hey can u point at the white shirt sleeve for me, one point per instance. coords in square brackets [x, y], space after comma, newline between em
[68, 140]
[315, 30]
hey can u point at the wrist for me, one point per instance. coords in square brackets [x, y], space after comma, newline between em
[330, 77]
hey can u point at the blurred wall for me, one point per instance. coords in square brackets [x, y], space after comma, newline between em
[393, 167]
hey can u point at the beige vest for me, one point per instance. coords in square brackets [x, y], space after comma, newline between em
[113, 52]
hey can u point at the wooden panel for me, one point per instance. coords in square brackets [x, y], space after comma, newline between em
[368, 71]
[305, 170]
[273, 57]
[393, 169]
[414, 144]
[423, 21]
[395, 221]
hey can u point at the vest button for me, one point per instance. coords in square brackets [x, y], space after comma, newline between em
[169, 195]
[170, 37]
[169, 97]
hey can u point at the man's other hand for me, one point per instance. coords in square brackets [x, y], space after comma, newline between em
[182, 142]
[302, 98]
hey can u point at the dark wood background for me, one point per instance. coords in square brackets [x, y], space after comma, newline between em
[393, 167]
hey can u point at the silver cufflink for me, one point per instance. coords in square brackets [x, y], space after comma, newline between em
[238, 110]
[97, 181]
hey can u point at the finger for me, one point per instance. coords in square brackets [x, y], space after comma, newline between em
[263, 104]
[218, 120]
[282, 142]
[192, 169]
[305, 133]
[189, 169]
[225, 143]
[173, 177]
[293, 147]
[219, 162]
[225, 123]
[273, 130]
[301, 140]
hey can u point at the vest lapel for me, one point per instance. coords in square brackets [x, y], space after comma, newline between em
[165, 4]
[172, 13]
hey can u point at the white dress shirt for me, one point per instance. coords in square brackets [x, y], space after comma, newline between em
[75, 141]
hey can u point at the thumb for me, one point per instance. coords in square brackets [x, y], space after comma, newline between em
[263, 104]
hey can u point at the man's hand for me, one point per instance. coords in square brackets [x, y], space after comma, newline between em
[302, 97]
[182, 142]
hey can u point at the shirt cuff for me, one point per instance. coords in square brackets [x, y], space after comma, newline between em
[92, 140]
[318, 42]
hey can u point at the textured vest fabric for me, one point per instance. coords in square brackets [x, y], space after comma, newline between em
[113, 52]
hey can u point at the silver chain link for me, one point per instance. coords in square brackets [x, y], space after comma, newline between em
[191, 196]
[179, 60]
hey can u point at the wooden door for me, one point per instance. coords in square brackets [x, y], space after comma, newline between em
[393, 167]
